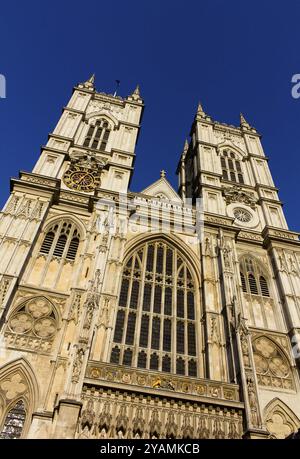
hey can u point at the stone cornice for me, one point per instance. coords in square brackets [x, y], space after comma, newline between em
[117, 100]
[235, 129]
[205, 185]
[219, 221]
[123, 152]
[242, 185]
[271, 234]
[60, 137]
[139, 380]
[253, 155]
[53, 150]
[75, 199]
[249, 236]
[259, 186]
[218, 126]
[42, 291]
[272, 200]
[215, 174]
[73, 110]
[36, 181]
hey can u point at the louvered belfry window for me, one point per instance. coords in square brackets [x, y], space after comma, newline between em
[231, 167]
[155, 325]
[61, 240]
[97, 135]
[253, 280]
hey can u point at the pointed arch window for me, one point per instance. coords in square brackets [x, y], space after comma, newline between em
[156, 315]
[264, 286]
[97, 135]
[14, 422]
[231, 167]
[272, 366]
[252, 284]
[243, 280]
[61, 240]
[252, 279]
[260, 306]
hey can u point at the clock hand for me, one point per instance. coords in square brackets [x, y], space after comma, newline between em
[82, 178]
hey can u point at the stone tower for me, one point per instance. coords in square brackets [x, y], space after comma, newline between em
[119, 318]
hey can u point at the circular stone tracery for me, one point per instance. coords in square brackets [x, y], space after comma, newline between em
[242, 215]
[36, 317]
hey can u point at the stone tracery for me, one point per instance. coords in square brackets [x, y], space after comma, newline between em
[36, 321]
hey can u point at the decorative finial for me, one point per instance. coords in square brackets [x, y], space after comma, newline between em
[92, 79]
[243, 121]
[186, 145]
[89, 84]
[136, 95]
[200, 111]
[162, 173]
[137, 90]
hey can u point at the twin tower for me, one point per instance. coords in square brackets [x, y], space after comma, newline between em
[118, 322]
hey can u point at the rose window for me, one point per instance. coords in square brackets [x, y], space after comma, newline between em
[242, 215]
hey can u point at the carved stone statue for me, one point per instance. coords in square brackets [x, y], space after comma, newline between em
[207, 250]
[245, 350]
[104, 314]
[252, 401]
[227, 256]
[89, 314]
[77, 365]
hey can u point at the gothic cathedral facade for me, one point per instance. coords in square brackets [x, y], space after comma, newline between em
[116, 323]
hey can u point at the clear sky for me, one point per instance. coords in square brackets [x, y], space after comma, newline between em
[234, 56]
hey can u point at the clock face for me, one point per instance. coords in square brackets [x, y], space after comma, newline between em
[81, 179]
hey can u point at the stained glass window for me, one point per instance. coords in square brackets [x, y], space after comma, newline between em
[156, 317]
[14, 422]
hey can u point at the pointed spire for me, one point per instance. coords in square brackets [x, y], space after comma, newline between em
[136, 95]
[201, 113]
[185, 149]
[89, 84]
[92, 79]
[243, 122]
[200, 110]
[137, 90]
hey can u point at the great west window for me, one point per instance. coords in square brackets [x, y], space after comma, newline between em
[155, 325]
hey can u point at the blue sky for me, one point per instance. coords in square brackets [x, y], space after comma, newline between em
[233, 56]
